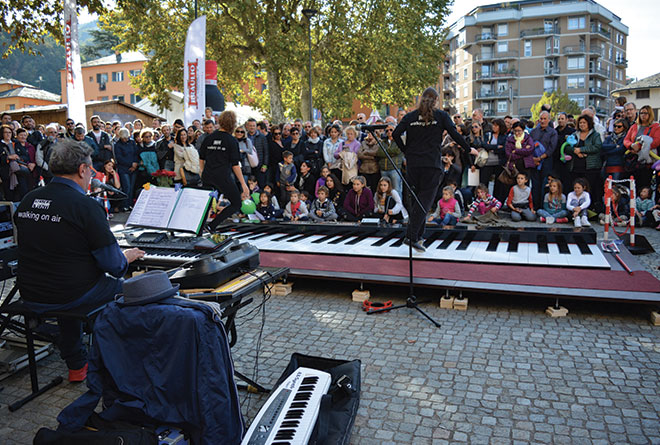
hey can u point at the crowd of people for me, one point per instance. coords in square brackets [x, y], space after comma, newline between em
[545, 170]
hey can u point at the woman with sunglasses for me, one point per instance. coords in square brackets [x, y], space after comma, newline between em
[645, 126]
[613, 149]
[296, 146]
[247, 151]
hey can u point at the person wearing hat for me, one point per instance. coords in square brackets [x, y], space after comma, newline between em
[69, 257]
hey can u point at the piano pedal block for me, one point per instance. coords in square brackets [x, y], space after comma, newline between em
[360, 296]
[447, 302]
[460, 304]
[655, 318]
[556, 312]
[280, 289]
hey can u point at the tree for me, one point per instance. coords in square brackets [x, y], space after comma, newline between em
[101, 44]
[375, 51]
[29, 22]
[42, 71]
[558, 101]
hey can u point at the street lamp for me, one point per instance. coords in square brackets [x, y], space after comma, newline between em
[309, 13]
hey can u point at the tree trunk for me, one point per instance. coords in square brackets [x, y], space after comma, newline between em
[304, 96]
[275, 93]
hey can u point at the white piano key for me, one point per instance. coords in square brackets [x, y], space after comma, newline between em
[520, 256]
[534, 257]
[481, 255]
[597, 257]
[556, 258]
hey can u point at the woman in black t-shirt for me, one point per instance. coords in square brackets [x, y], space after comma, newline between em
[219, 157]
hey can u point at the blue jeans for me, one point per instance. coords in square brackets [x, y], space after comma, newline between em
[448, 220]
[394, 177]
[70, 338]
[558, 214]
[127, 184]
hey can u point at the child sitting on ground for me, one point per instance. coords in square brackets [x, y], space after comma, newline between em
[578, 201]
[457, 194]
[644, 207]
[483, 209]
[520, 200]
[322, 209]
[295, 210]
[448, 211]
[359, 201]
[387, 203]
[619, 208]
[286, 174]
[265, 210]
[554, 204]
[253, 185]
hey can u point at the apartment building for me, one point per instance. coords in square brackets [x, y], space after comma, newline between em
[502, 57]
[109, 78]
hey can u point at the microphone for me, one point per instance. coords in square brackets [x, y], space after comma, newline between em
[96, 184]
[366, 127]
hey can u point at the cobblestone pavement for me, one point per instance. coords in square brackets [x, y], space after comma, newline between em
[502, 372]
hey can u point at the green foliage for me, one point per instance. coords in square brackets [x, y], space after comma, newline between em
[100, 44]
[28, 67]
[29, 22]
[375, 51]
[559, 102]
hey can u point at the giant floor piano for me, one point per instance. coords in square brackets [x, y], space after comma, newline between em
[561, 262]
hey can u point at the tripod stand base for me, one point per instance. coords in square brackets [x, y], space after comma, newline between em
[412, 303]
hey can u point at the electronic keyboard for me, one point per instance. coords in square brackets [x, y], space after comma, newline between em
[290, 413]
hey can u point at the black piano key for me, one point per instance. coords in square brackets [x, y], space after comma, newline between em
[447, 241]
[513, 243]
[582, 245]
[542, 244]
[493, 243]
[304, 388]
[249, 233]
[398, 242]
[469, 236]
[360, 238]
[264, 234]
[325, 238]
[343, 238]
[310, 380]
[283, 237]
[563, 246]
[434, 236]
[387, 238]
[290, 424]
[298, 404]
[299, 237]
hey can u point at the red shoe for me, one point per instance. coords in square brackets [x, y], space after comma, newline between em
[561, 220]
[78, 375]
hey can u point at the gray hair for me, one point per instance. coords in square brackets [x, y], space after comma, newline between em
[53, 126]
[544, 112]
[360, 178]
[124, 133]
[67, 155]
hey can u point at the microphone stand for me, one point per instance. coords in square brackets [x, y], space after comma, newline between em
[411, 301]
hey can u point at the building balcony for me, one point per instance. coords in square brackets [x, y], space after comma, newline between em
[552, 51]
[540, 32]
[600, 32]
[509, 74]
[486, 37]
[505, 55]
[551, 72]
[525, 111]
[490, 113]
[621, 63]
[489, 95]
[599, 72]
[577, 49]
[595, 91]
[550, 90]
[596, 51]
[599, 110]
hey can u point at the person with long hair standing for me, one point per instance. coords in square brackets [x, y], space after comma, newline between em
[424, 128]
[218, 157]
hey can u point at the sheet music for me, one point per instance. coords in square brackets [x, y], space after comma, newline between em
[190, 210]
[153, 208]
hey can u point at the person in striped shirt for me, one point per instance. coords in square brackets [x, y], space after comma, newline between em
[484, 208]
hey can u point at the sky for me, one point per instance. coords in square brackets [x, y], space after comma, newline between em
[640, 16]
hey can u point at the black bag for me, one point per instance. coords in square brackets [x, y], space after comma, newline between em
[132, 435]
[339, 407]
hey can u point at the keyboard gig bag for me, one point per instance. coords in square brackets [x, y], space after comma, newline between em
[339, 407]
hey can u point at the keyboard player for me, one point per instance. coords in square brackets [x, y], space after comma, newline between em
[67, 254]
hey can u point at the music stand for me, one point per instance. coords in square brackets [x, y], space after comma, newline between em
[411, 301]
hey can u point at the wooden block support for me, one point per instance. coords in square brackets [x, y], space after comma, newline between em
[655, 318]
[360, 295]
[280, 289]
[447, 303]
[460, 304]
[556, 313]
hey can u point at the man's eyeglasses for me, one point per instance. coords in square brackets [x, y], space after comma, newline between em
[618, 126]
[276, 133]
[389, 130]
[295, 132]
[239, 132]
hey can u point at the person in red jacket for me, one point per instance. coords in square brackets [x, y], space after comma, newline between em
[359, 202]
[635, 163]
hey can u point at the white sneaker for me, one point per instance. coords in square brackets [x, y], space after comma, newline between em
[550, 220]
[585, 221]
[576, 222]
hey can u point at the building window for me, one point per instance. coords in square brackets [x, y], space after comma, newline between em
[577, 98]
[528, 48]
[118, 76]
[619, 75]
[12, 107]
[134, 73]
[502, 106]
[503, 29]
[102, 78]
[575, 63]
[465, 56]
[135, 99]
[619, 38]
[576, 22]
[575, 82]
[465, 91]
[103, 98]
[120, 98]
[502, 85]
[465, 73]
[91, 78]
[502, 47]
[643, 94]
[502, 67]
